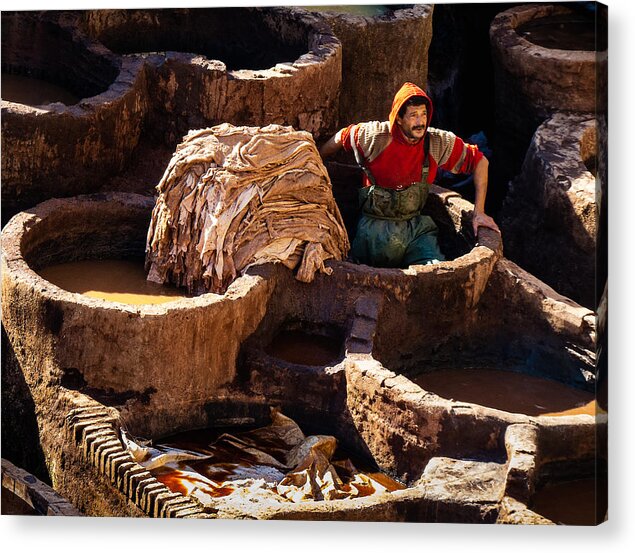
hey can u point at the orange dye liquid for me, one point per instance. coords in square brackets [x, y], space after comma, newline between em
[178, 482]
[117, 280]
[508, 391]
[579, 502]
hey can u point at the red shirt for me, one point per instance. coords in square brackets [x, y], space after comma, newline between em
[397, 164]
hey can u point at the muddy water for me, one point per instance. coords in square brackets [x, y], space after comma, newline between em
[562, 32]
[367, 10]
[295, 346]
[117, 280]
[508, 391]
[579, 502]
[34, 92]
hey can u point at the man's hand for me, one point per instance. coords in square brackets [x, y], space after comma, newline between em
[481, 219]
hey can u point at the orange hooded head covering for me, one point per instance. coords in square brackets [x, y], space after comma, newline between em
[407, 91]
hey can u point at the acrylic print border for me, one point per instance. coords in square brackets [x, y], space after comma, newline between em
[193, 4]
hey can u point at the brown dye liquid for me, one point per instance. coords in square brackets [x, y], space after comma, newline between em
[298, 347]
[117, 280]
[34, 92]
[578, 502]
[562, 32]
[508, 391]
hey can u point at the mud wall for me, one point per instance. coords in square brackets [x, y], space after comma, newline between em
[61, 150]
[152, 98]
[374, 61]
[245, 66]
[550, 216]
[533, 82]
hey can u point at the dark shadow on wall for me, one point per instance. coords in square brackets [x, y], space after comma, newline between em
[461, 83]
[20, 434]
[461, 72]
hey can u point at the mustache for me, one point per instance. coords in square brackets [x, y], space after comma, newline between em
[419, 128]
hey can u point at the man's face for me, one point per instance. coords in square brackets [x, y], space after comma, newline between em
[413, 123]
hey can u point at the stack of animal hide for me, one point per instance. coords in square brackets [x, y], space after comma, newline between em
[233, 197]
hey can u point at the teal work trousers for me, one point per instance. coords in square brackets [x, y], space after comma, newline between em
[392, 232]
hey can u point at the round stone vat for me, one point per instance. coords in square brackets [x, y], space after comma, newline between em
[39, 46]
[382, 404]
[51, 149]
[550, 216]
[544, 64]
[520, 325]
[520, 336]
[375, 62]
[108, 347]
[296, 357]
[235, 417]
[240, 38]
[245, 66]
[443, 292]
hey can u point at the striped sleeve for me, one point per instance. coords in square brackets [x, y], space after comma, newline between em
[452, 153]
[345, 137]
[370, 138]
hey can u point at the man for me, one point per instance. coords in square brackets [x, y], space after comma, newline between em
[400, 158]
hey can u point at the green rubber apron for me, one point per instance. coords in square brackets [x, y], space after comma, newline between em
[391, 231]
